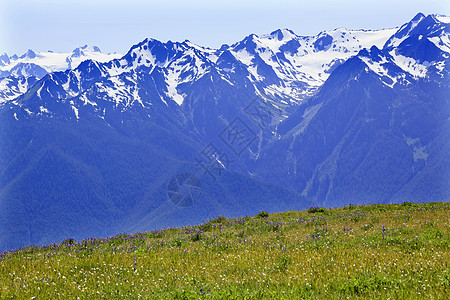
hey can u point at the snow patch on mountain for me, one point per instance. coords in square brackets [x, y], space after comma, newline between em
[443, 19]
[301, 63]
[442, 42]
[411, 66]
[55, 61]
[18, 74]
[172, 83]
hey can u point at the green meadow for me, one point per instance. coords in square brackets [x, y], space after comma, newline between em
[380, 251]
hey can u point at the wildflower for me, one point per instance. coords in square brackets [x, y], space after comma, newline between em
[383, 230]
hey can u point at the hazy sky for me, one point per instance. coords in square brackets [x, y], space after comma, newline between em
[63, 25]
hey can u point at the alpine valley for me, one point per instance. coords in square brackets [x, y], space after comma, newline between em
[174, 133]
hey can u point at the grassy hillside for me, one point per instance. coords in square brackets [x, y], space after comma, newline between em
[376, 251]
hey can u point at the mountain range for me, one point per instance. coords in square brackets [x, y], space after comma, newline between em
[175, 133]
[18, 73]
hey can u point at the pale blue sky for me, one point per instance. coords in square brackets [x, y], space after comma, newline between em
[62, 25]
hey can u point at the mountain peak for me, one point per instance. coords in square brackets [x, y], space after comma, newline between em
[251, 37]
[418, 17]
[29, 54]
[427, 26]
[282, 34]
[91, 48]
[4, 59]
[248, 43]
[84, 50]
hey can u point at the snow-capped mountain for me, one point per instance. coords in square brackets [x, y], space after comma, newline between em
[377, 129]
[421, 45]
[17, 74]
[362, 116]
[281, 65]
[300, 65]
[55, 61]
